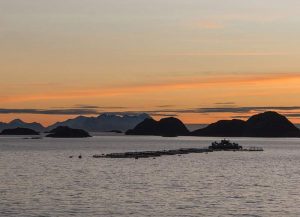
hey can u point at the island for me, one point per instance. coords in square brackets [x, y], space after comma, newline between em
[167, 127]
[19, 131]
[67, 132]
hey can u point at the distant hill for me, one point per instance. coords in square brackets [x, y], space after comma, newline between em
[19, 131]
[267, 124]
[164, 127]
[21, 124]
[103, 123]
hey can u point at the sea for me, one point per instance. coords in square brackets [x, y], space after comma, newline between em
[38, 178]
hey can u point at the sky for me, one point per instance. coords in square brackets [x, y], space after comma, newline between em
[199, 60]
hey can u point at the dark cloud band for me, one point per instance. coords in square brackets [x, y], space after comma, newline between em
[94, 110]
[50, 111]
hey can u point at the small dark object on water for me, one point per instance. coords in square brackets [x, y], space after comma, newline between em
[225, 145]
[33, 138]
[71, 156]
[36, 138]
[79, 156]
[115, 131]
[169, 135]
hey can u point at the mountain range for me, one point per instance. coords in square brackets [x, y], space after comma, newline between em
[17, 123]
[102, 123]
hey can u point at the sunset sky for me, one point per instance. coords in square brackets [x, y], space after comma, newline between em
[201, 60]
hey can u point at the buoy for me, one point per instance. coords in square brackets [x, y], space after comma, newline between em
[79, 156]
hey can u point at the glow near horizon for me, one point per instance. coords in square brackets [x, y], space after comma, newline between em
[143, 54]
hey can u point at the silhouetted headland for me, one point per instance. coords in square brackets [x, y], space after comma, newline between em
[67, 132]
[270, 124]
[19, 131]
[168, 127]
[267, 124]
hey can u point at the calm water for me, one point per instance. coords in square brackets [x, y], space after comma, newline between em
[39, 179]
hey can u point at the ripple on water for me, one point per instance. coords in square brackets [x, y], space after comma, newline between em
[39, 179]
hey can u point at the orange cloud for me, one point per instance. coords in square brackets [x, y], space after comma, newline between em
[185, 84]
